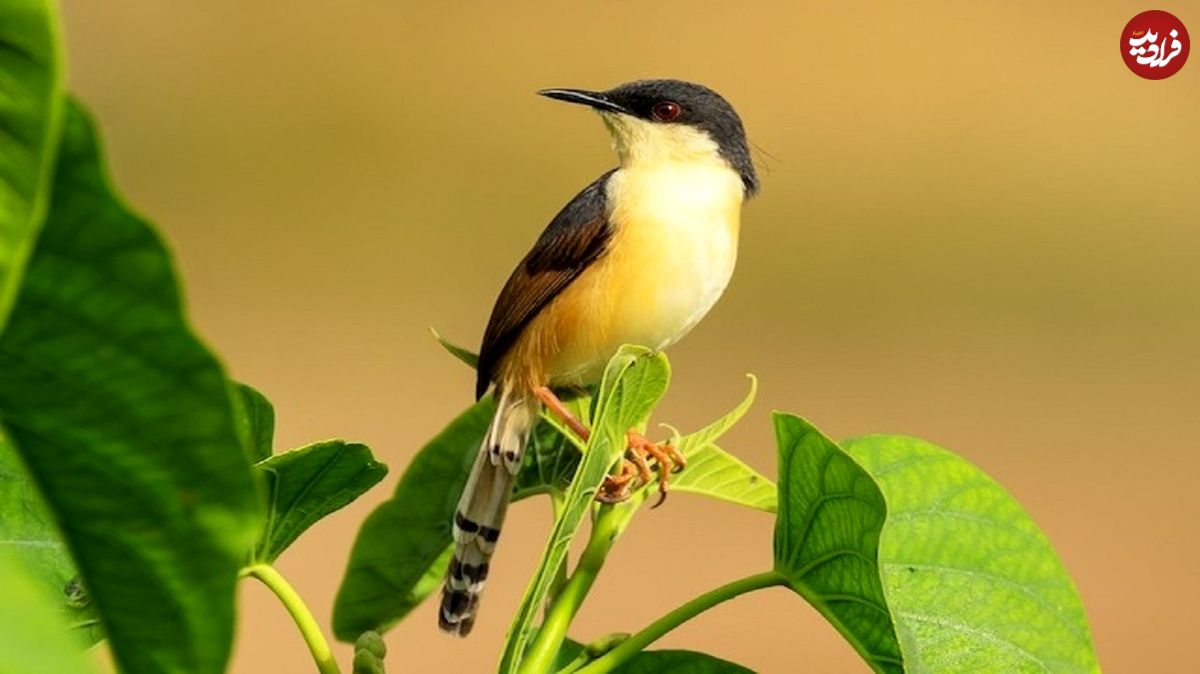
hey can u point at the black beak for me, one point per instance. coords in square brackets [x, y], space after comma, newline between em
[595, 99]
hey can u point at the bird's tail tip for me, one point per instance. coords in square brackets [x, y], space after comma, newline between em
[456, 615]
[462, 589]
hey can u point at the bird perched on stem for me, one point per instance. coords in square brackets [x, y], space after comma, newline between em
[638, 257]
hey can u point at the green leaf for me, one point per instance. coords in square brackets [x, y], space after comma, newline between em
[711, 471]
[972, 583]
[470, 358]
[33, 635]
[302, 485]
[714, 472]
[683, 662]
[432, 579]
[827, 538]
[256, 421]
[126, 424]
[402, 550]
[306, 484]
[30, 120]
[634, 381]
[398, 547]
[692, 442]
[550, 462]
[29, 535]
[573, 655]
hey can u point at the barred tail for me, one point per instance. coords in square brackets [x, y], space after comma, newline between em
[480, 513]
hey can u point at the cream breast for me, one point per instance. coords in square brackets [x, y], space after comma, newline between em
[675, 209]
[676, 244]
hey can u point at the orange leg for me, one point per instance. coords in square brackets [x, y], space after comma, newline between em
[616, 488]
[560, 410]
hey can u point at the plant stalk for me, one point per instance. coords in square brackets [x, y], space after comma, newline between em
[557, 502]
[605, 530]
[303, 618]
[636, 643]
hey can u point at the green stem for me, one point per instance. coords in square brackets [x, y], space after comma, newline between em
[557, 502]
[300, 615]
[605, 530]
[636, 643]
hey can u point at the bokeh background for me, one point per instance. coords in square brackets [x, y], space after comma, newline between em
[976, 227]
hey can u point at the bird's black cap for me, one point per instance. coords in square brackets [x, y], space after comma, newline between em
[675, 102]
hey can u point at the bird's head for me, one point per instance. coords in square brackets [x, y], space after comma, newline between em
[669, 120]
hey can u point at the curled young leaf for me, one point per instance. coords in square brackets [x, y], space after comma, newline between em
[711, 471]
[469, 358]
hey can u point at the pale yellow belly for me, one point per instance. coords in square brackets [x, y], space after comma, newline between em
[667, 265]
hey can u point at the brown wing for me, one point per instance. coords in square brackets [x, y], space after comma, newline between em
[573, 240]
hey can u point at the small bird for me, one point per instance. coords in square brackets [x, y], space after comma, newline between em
[638, 257]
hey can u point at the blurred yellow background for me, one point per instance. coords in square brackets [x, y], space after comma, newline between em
[976, 226]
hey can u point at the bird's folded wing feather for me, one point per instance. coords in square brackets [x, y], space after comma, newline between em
[573, 240]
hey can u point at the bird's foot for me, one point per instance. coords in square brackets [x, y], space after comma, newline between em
[640, 450]
[619, 486]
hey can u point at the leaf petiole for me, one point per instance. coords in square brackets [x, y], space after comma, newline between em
[639, 641]
[296, 607]
[607, 527]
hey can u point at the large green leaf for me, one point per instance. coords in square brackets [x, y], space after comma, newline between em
[28, 534]
[33, 635]
[402, 550]
[951, 575]
[634, 381]
[972, 583]
[827, 539]
[395, 560]
[308, 483]
[30, 118]
[126, 425]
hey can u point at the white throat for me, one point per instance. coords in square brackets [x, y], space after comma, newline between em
[640, 143]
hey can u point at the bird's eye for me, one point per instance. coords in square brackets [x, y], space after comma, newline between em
[666, 111]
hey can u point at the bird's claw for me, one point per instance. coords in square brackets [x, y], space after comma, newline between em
[667, 459]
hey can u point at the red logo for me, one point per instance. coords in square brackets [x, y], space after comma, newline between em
[1155, 44]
